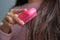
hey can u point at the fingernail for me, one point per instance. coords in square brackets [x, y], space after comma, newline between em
[21, 22]
[16, 15]
[25, 9]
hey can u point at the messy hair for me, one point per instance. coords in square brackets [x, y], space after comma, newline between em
[46, 26]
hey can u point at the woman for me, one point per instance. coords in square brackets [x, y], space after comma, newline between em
[46, 26]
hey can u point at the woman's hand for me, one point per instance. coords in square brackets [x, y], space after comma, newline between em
[10, 19]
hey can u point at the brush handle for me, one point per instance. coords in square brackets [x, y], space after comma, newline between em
[27, 15]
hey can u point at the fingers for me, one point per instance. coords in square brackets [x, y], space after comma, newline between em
[9, 19]
[18, 20]
[12, 17]
[17, 11]
[7, 24]
[15, 18]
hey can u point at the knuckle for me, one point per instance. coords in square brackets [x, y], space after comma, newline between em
[12, 10]
[8, 14]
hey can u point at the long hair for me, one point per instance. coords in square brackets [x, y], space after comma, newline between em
[46, 25]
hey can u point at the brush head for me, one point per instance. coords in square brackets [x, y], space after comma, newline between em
[28, 15]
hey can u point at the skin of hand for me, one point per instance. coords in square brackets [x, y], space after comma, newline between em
[10, 19]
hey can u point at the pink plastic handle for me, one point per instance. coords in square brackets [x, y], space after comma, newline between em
[28, 15]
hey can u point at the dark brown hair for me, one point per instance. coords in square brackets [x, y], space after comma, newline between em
[46, 26]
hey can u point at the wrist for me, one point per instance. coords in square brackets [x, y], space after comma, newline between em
[5, 29]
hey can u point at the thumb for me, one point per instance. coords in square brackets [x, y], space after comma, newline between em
[17, 20]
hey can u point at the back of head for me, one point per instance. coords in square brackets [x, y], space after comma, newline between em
[46, 26]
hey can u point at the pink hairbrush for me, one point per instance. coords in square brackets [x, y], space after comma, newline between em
[27, 15]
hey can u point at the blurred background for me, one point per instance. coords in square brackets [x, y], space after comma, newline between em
[5, 5]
